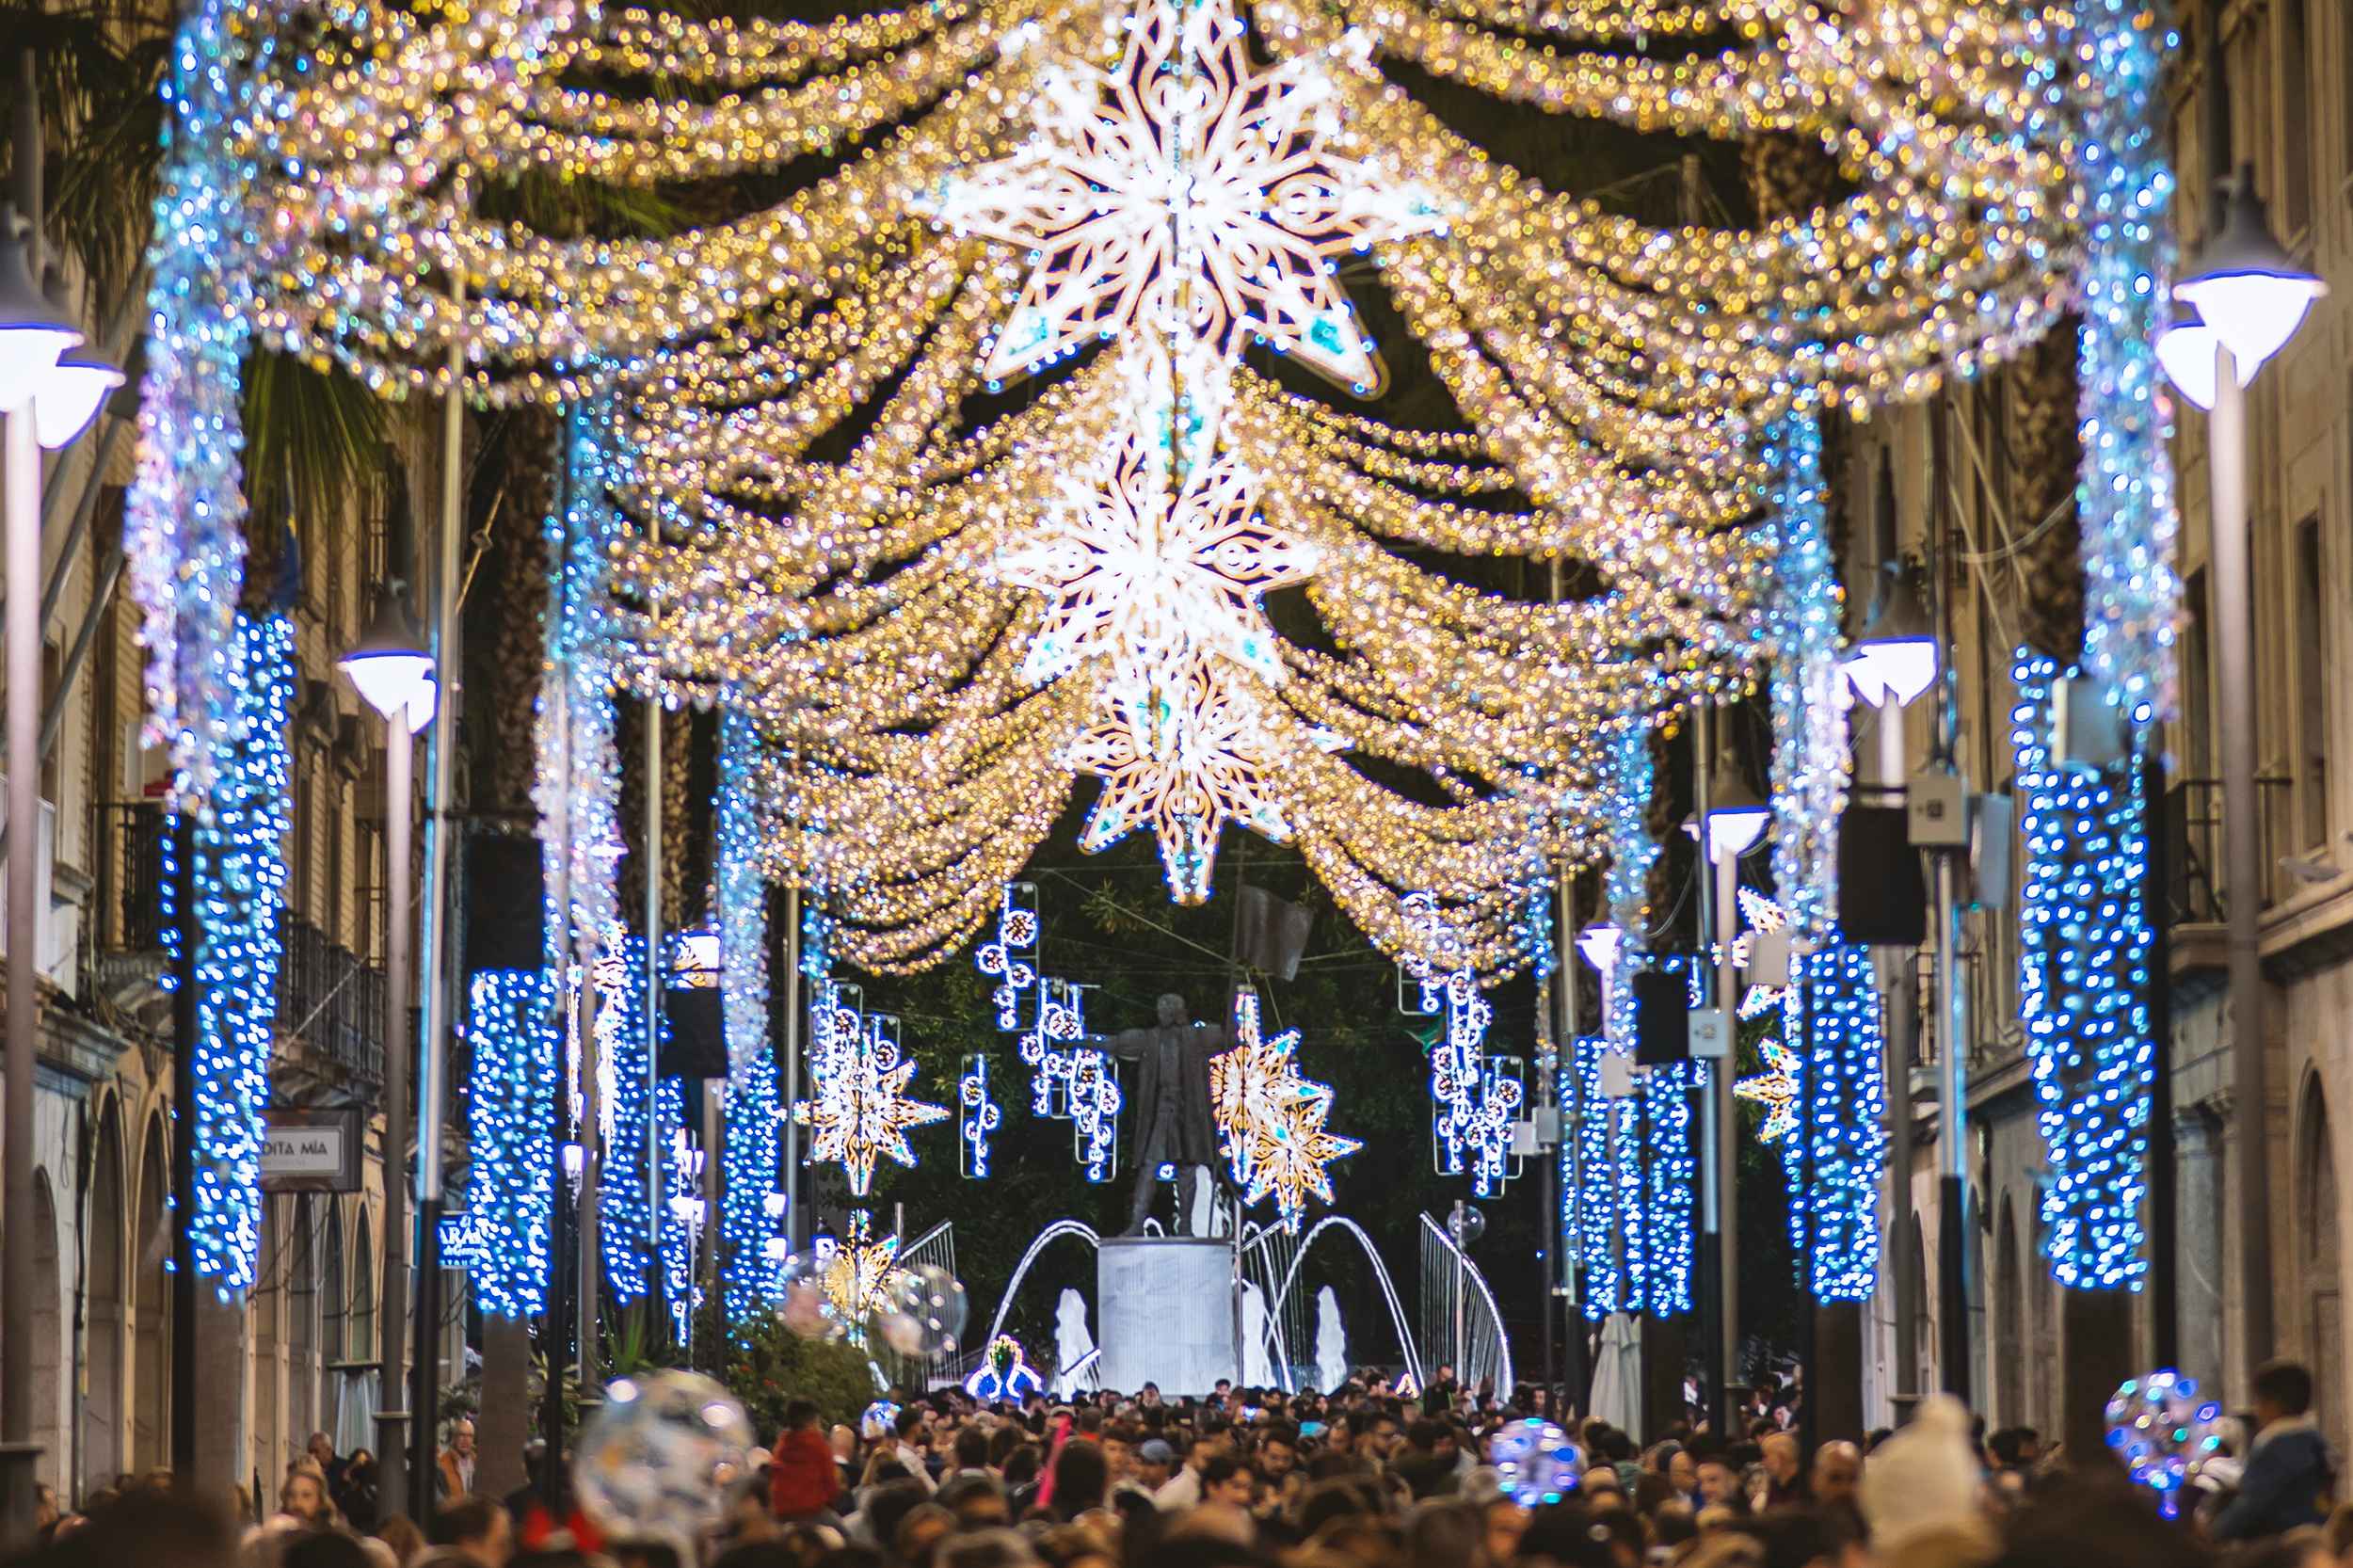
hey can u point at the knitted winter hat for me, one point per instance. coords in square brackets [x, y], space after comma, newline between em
[1924, 1479]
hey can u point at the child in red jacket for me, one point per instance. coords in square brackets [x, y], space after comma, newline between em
[802, 1481]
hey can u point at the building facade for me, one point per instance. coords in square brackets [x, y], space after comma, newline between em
[1960, 478]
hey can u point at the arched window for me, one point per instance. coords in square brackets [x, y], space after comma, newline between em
[334, 1303]
[151, 1347]
[48, 1332]
[100, 1453]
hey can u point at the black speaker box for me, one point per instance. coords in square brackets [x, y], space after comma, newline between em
[1883, 896]
[698, 1046]
[505, 904]
[1662, 1017]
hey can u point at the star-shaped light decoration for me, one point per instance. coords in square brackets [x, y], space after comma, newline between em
[1764, 916]
[1271, 1119]
[1186, 758]
[1189, 193]
[1776, 1089]
[1143, 577]
[861, 1111]
[860, 1272]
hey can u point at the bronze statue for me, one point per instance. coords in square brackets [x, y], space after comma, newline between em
[1174, 1126]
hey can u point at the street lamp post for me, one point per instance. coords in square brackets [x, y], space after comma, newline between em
[48, 395]
[1896, 659]
[2248, 297]
[1735, 819]
[394, 676]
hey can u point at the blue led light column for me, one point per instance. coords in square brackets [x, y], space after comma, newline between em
[510, 1105]
[749, 1276]
[237, 881]
[2084, 941]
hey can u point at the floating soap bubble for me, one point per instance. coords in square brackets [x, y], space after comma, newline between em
[923, 1311]
[661, 1456]
[1536, 1462]
[2164, 1432]
[802, 1304]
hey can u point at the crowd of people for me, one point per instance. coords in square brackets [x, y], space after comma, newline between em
[1359, 1478]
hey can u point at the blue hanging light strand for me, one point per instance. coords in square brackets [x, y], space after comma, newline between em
[2124, 498]
[237, 881]
[1843, 1125]
[750, 1278]
[1809, 709]
[625, 1230]
[510, 1109]
[2083, 961]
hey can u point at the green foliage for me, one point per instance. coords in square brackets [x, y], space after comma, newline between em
[769, 1365]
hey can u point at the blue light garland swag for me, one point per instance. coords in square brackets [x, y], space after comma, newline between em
[749, 1158]
[510, 1103]
[2083, 964]
[238, 881]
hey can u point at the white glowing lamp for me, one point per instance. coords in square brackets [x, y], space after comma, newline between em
[71, 397]
[1737, 815]
[2250, 292]
[1600, 944]
[1896, 658]
[389, 663]
[2185, 348]
[33, 333]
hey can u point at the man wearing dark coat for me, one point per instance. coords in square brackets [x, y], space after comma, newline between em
[1173, 1123]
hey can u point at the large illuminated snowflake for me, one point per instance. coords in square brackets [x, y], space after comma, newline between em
[860, 1111]
[1185, 757]
[1189, 193]
[1270, 1119]
[1143, 575]
[860, 1272]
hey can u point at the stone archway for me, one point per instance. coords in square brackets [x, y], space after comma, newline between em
[2009, 1327]
[2320, 1299]
[101, 1455]
[48, 1333]
[151, 1318]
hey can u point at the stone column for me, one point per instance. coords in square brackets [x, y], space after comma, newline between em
[2200, 1264]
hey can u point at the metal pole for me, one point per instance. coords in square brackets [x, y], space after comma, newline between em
[1707, 1302]
[391, 1417]
[438, 916]
[792, 1066]
[1571, 1109]
[2242, 853]
[182, 1358]
[1903, 1018]
[2164, 1192]
[20, 557]
[653, 954]
[24, 1020]
[1727, 1151]
[1952, 1242]
[1458, 1292]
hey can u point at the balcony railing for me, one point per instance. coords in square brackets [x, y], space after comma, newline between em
[330, 1001]
[2189, 819]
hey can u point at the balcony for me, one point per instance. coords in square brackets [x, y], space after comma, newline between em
[330, 1001]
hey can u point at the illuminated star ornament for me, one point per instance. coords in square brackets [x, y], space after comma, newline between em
[1775, 1089]
[1185, 758]
[861, 1110]
[860, 1272]
[1186, 192]
[1139, 576]
[1271, 1119]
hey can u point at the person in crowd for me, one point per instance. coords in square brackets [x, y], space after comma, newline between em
[302, 1498]
[455, 1465]
[1778, 1468]
[470, 1532]
[1837, 1469]
[2291, 1471]
[803, 1481]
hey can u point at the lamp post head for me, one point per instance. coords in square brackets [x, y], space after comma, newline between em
[1600, 944]
[76, 389]
[1897, 656]
[1737, 814]
[389, 663]
[33, 333]
[2248, 289]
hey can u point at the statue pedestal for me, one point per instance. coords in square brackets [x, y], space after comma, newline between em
[1165, 1306]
